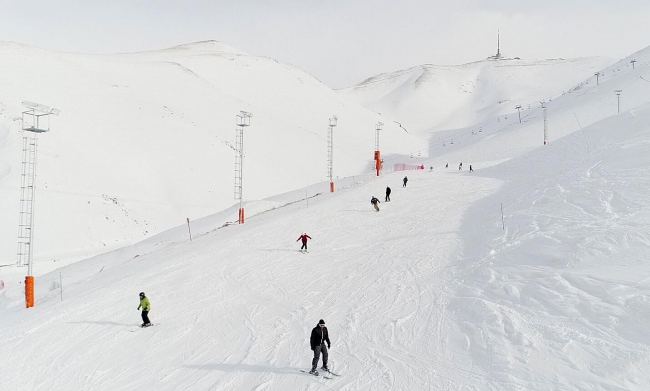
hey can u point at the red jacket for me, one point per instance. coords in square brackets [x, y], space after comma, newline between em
[304, 238]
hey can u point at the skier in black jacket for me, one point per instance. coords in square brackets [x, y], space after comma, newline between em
[387, 194]
[319, 336]
[374, 201]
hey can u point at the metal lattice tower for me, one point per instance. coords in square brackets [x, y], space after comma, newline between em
[31, 122]
[243, 120]
[377, 129]
[330, 151]
[545, 123]
[239, 162]
[26, 223]
[618, 99]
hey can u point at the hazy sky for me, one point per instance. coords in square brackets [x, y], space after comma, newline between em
[340, 42]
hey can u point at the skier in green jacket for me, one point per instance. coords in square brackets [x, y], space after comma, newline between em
[146, 306]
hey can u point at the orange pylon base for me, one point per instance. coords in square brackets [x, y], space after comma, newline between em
[241, 215]
[29, 291]
[331, 187]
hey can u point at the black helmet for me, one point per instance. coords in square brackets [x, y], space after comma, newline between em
[141, 294]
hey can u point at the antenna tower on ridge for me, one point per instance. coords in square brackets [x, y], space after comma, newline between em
[498, 44]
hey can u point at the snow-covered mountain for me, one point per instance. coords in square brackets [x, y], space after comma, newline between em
[145, 140]
[430, 98]
[530, 273]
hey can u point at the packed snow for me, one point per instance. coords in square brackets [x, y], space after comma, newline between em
[528, 274]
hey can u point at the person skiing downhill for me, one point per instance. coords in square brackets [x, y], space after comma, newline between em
[304, 238]
[460, 166]
[319, 336]
[146, 306]
[374, 201]
[470, 168]
[405, 180]
[387, 194]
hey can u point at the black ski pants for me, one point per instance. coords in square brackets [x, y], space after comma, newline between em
[317, 351]
[304, 245]
[387, 197]
[145, 317]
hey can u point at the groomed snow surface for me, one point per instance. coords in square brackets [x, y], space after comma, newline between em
[430, 293]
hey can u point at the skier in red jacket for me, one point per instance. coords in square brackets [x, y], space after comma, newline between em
[304, 238]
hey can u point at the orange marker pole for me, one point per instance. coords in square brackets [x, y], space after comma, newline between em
[29, 291]
[378, 161]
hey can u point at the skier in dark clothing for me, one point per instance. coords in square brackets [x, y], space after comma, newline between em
[470, 168]
[146, 306]
[374, 201]
[319, 336]
[304, 238]
[405, 180]
[387, 194]
[447, 165]
[460, 167]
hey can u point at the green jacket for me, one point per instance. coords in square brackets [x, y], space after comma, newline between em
[144, 303]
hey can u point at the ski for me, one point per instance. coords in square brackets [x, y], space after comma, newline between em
[141, 327]
[315, 374]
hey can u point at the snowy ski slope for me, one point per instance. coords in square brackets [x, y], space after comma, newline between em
[437, 291]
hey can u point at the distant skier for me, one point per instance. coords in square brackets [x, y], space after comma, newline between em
[404, 181]
[470, 168]
[146, 306]
[304, 238]
[387, 194]
[460, 166]
[447, 165]
[374, 201]
[319, 336]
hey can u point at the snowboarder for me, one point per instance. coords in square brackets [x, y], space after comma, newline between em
[146, 306]
[405, 180]
[374, 201]
[460, 166]
[470, 168]
[387, 194]
[319, 336]
[304, 238]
